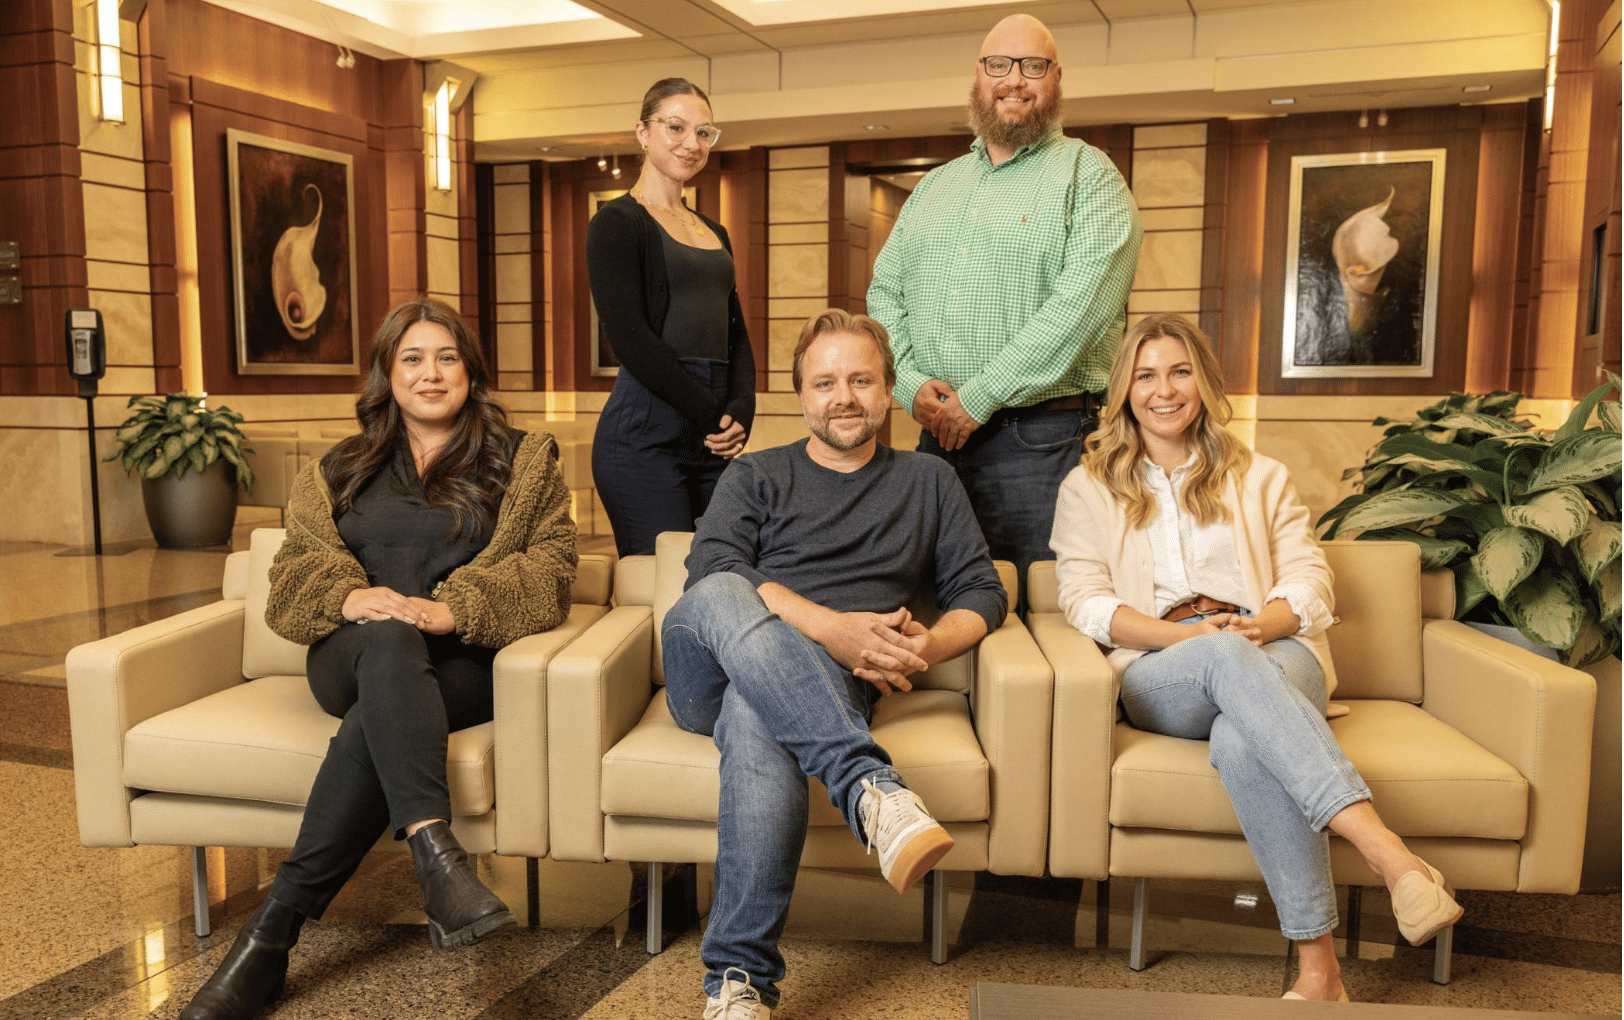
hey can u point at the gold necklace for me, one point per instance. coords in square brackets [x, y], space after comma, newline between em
[693, 220]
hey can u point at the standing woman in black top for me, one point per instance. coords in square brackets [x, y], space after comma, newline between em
[414, 550]
[662, 278]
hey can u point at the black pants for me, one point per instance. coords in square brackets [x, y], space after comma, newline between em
[399, 692]
[650, 465]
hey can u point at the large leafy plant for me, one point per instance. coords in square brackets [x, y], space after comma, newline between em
[1528, 520]
[176, 432]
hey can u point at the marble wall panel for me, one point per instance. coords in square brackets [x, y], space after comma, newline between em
[798, 308]
[511, 173]
[507, 381]
[513, 278]
[1165, 136]
[1171, 219]
[46, 486]
[513, 346]
[1143, 302]
[811, 155]
[435, 225]
[113, 170]
[513, 311]
[797, 233]
[797, 270]
[1316, 453]
[115, 224]
[55, 412]
[1169, 260]
[904, 430]
[798, 196]
[129, 380]
[445, 267]
[781, 337]
[509, 244]
[775, 430]
[118, 276]
[127, 319]
[1170, 177]
[443, 203]
[511, 212]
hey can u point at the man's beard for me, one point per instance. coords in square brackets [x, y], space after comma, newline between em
[994, 130]
[824, 430]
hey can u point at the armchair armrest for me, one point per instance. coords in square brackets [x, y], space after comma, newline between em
[120, 681]
[520, 679]
[599, 688]
[1534, 713]
[1085, 713]
[1013, 703]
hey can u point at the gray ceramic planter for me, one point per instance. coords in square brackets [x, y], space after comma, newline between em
[192, 510]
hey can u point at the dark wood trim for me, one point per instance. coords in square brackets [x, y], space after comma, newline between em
[542, 328]
[485, 264]
[1457, 130]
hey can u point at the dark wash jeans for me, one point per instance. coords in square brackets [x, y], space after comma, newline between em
[400, 692]
[1012, 468]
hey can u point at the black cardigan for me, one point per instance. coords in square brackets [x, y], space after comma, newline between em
[625, 261]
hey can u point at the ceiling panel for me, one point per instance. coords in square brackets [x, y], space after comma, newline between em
[1125, 10]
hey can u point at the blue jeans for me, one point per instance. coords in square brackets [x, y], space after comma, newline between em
[1012, 468]
[780, 709]
[1283, 770]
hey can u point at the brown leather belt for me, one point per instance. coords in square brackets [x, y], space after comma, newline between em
[1200, 606]
[1070, 402]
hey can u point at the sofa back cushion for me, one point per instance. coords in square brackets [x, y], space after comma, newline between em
[1377, 642]
[264, 653]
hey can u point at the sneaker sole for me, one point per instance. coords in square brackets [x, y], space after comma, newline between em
[918, 857]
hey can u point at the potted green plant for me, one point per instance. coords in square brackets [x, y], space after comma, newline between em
[1527, 520]
[190, 461]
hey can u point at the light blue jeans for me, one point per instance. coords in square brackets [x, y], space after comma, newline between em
[780, 709]
[1263, 710]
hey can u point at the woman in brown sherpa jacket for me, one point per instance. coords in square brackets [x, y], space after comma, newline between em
[414, 550]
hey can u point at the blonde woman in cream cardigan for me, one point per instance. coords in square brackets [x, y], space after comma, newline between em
[1192, 560]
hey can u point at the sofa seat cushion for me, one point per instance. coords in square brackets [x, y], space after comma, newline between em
[264, 740]
[1426, 777]
[659, 770]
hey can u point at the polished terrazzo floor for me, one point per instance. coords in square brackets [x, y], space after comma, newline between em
[104, 933]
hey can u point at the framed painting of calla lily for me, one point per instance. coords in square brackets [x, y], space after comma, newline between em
[1363, 241]
[293, 257]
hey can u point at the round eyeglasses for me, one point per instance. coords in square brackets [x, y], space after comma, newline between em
[677, 130]
[1031, 67]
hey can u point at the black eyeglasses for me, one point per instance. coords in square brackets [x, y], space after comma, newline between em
[1031, 67]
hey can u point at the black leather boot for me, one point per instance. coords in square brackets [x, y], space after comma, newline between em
[461, 910]
[252, 974]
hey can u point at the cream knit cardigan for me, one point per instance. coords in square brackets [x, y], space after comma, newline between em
[1099, 553]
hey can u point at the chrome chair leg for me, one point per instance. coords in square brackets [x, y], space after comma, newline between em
[200, 891]
[1141, 906]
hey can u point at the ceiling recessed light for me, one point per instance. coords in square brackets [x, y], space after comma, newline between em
[1476, 88]
[876, 127]
[1283, 101]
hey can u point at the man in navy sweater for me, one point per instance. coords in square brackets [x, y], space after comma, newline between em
[793, 622]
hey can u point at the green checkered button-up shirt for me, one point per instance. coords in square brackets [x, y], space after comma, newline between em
[982, 285]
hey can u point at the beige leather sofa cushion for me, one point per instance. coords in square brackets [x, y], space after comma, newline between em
[264, 740]
[660, 770]
[264, 653]
[1426, 777]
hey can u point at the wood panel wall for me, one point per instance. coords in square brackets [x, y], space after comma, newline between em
[41, 198]
[1596, 323]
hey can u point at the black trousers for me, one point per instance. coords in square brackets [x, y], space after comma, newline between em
[399, 692]
[650, 465]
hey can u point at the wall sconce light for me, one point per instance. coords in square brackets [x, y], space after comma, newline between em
[109, 75]
[1364, 119]
[1381, 118]
[1550, 63]
[346, 57]
[442, 136]
[603, 164]
[615, 173]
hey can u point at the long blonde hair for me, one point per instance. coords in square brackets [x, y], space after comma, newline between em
[1116, 449]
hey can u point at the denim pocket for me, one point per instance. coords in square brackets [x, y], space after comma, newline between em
[1053, 430]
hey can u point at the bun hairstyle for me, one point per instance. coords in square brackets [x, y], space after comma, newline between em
[664, 89]
[472, 469]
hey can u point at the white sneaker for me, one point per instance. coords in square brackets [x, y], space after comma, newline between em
[738, 1001]
[908, 838]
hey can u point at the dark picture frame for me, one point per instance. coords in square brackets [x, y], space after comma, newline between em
[1363, 245]
[292, 257]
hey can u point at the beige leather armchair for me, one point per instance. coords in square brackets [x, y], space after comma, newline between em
[1477, 752]
[200, 730]
[631, 785]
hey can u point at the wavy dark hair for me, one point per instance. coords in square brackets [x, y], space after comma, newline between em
[471, 471]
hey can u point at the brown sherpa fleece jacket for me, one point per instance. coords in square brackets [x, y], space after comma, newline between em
[519, 584]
